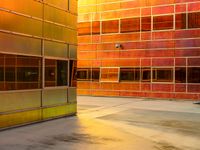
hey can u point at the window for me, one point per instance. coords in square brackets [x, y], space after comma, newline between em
[130, 25]
[84, 28]
[129, 74]
[194, 20]
[62, 72]
[146, 74]
[1, 74]
[83, 74]
[50, 72]
[28, 72]
[110, 26]
[180, 21]
[73, 73]
[95, 74]
[194, 75]
[180, 75]
[20, 72]
[96, 27]
[162, 22]
[162, 75]
[146, 23]
[110, 74]
[56, 72]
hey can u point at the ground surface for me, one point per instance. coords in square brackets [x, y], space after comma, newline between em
[113, 124]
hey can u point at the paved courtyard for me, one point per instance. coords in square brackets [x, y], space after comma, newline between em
[113, 124]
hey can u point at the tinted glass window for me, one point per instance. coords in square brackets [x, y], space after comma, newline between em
[194, 75]
[129, 74]
[163, 22]
[180, 75]
[163, 75]
[194, 20]
[146, 74]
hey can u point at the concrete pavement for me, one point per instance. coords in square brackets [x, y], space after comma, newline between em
[113, 123]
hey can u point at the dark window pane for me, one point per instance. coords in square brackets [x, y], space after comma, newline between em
[130, 25]
[180, 21]
[162, 22]
[163, 75]
[10, 74]
[194, 75]
[146, 74]
[194, 20]
[62, 72]
[50, 72]
[83, 74]
[96, 27]
[95, 74]
[146, 23]
[129, 74]
[73, 73]
[84, 28]
[180, 75]
[10, 83]
[28, 72]
[110, 26]
[1, 74]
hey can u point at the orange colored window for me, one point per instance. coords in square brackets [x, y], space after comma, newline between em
[194, 20]
[84, 28]
[130, 25]
[163, 22]
[180, 21]
[146, 23]
[110, 26]
[110, 74]
[96, 27]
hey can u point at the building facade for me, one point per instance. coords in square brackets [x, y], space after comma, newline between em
[139, 48]
[38, 42]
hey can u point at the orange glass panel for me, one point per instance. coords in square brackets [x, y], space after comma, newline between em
[84, 28]
[194, 20]
[180, 21]
[163, 22]
[110, 26]
[109, 74]
[130, 25]
[96, 27]
[146, 23]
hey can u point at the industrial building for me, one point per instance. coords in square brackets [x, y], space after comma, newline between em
[139, 48]
[38, 42]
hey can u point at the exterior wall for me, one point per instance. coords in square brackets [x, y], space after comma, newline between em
[38, 42]
[158, 38]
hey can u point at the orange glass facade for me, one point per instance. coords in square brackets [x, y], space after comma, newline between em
[139, 48]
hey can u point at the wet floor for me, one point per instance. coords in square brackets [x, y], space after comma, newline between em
[113, 123]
